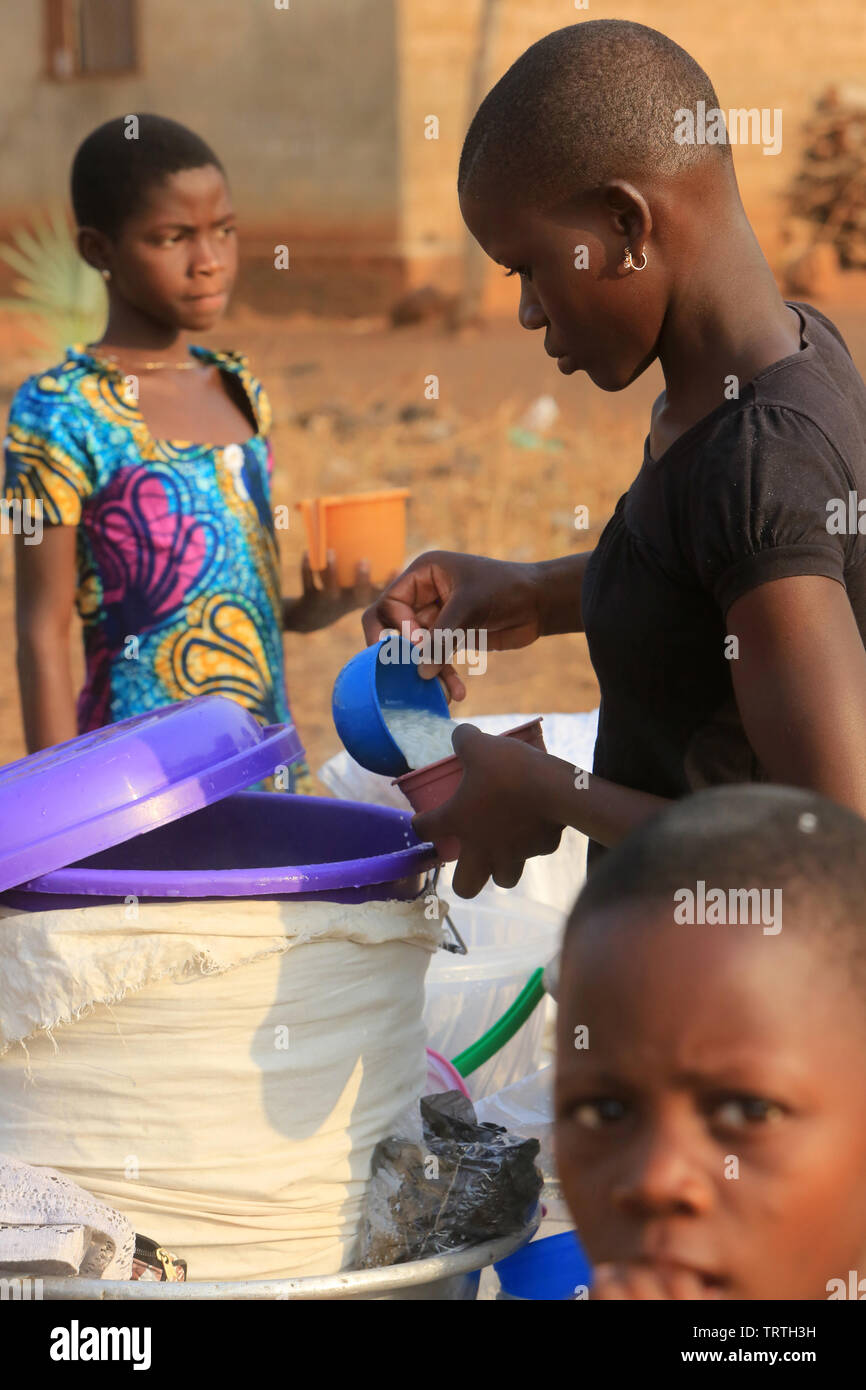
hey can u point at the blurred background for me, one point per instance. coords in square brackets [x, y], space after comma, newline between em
[340, 123]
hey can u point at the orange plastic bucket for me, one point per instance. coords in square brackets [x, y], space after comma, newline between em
[357, 526]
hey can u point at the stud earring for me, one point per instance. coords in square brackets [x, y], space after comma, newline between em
[632, 265]
[106, 274]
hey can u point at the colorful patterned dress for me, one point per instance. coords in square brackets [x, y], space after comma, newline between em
[178, 581]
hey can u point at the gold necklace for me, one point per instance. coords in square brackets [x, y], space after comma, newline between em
[111, 359]
[155, 366]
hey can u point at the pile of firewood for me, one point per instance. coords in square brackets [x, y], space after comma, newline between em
[830, 190]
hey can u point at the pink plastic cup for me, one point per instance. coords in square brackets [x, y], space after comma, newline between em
[425, 788]
[442, 1075]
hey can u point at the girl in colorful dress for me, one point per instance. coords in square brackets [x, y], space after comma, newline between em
[151, 460]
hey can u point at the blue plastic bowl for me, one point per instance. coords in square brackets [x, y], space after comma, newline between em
[546, 1269]
[365, 686]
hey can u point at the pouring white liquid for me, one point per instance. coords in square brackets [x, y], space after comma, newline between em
[422, 736]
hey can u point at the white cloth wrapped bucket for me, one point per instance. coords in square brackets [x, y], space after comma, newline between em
[218, 1072]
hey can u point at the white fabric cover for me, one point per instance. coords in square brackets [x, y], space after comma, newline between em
[220, 1072]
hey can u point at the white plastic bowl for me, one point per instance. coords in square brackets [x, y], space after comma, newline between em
[508, 937]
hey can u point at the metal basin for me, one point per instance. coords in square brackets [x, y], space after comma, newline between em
[453, 1276]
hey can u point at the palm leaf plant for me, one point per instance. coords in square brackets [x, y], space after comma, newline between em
[63, 298]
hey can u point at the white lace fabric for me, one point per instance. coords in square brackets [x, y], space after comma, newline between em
[50, 1225]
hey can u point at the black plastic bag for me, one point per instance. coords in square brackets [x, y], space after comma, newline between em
[466, 1184]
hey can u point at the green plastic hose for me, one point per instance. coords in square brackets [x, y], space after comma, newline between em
[504, 1028]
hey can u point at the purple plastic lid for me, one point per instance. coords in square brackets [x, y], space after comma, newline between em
[77, 798]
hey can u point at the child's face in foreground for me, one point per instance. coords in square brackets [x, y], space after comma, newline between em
[715, 1120]
[175, 257]
[592, 321]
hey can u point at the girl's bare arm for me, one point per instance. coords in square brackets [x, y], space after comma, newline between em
[44, 600]
[799, 677]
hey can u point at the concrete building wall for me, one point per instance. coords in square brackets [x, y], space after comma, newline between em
[298, 104]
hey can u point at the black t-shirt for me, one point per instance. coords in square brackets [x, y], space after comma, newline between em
[739, 499]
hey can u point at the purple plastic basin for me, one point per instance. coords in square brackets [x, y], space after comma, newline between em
[251, 844]
[103, 787]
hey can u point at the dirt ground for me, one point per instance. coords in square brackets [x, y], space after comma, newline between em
[350, 413]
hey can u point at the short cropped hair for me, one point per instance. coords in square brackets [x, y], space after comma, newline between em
[112, 169]
[587, 103]
[739, 837]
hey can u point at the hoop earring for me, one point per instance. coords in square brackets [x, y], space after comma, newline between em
[632, 265]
